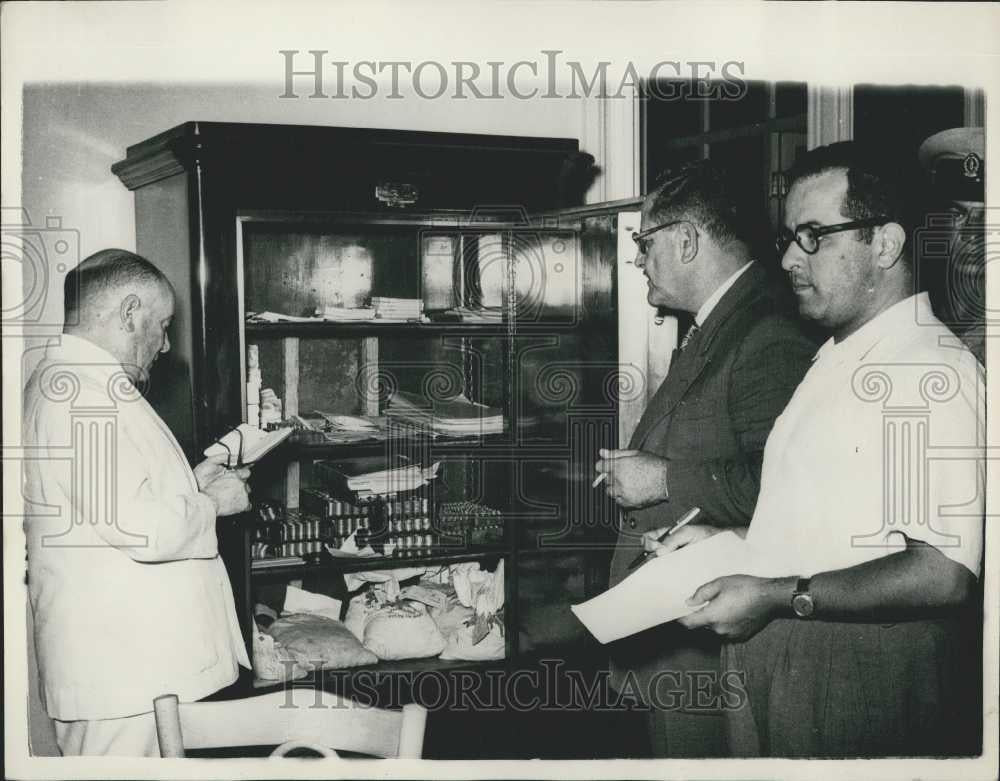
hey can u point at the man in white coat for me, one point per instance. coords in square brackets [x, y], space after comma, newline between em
[129, 595]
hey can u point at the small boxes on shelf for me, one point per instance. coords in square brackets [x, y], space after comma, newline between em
[297, 533]
[473, 523]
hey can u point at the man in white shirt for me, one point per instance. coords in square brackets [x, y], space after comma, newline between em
[872, 493]
[129, 596]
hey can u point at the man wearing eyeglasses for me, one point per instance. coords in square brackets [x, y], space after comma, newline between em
[700, 440]
[871, 500]
[129, 597]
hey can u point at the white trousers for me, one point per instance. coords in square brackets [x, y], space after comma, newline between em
[132, 736]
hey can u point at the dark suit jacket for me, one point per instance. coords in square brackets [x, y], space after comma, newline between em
[710, 418]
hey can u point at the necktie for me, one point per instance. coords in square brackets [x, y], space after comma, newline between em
[689, 335]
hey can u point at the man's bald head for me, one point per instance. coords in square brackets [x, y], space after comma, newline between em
[93, 289]
[123, 304]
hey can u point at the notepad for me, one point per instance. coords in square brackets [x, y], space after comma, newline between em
[246, 444]
[658, 591]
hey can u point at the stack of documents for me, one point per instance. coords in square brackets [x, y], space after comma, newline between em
[483, 315]
[387, 308]
[339, 314]
[355, 423]
[367, 477]
[279, 317]
[457, 416]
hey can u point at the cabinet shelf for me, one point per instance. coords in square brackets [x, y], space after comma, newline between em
[334, 566]
[494, 444]
[372, 328]
[490, 445]
[343, 681]
[331, 330]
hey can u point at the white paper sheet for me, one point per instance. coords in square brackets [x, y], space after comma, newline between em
[657, 591]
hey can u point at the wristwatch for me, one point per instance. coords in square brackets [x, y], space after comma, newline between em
[802, 601]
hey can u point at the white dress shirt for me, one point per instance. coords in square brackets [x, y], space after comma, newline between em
[706, 308]
[885, 434]
[130, 597]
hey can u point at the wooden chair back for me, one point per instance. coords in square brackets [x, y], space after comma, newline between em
[299, 715]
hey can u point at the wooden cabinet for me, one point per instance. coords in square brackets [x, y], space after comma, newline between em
[253, 218]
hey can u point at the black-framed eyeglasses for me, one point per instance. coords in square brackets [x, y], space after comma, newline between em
[239, 454]
[641, 238]
[808, 236]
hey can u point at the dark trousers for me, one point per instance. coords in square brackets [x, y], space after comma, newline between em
[675, 673]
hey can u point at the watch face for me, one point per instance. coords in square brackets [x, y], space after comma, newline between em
[802, 604]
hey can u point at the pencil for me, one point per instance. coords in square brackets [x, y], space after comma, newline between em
[689, 516]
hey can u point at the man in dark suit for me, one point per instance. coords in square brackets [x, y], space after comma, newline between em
[701, 439]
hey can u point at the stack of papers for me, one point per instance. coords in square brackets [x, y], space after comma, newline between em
[278, 317]
[387, 308]
[344, 429]
[392, 481]
[457, 416]
[368, 477]
[492, 315]
[361, 425]
[342, 315]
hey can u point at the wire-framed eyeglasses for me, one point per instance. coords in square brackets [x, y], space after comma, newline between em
[808, 236]
[239, 454]
[641, 238]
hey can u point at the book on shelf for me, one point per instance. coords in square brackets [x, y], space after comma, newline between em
[456, 416]
[246, 444]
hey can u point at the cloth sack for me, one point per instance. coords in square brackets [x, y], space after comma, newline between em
[317, 642]
[271, 661]
[403, 630]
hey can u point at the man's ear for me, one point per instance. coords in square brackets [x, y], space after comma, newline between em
[687, 242]
[129, 306]
[888, 244]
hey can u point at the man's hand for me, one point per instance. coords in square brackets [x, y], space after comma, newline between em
[686, 535]
[739, 606]
[635, 478]
[210, 469]
[229, 492]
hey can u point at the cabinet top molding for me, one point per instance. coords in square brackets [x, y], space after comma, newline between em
[182, 147]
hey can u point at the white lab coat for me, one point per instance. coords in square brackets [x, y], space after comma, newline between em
[130, 597]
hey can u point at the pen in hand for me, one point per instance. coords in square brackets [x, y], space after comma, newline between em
[689, 516]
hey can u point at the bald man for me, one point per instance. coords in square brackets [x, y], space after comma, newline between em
[129, 595]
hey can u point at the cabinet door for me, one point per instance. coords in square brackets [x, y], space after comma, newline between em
[584, 347]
